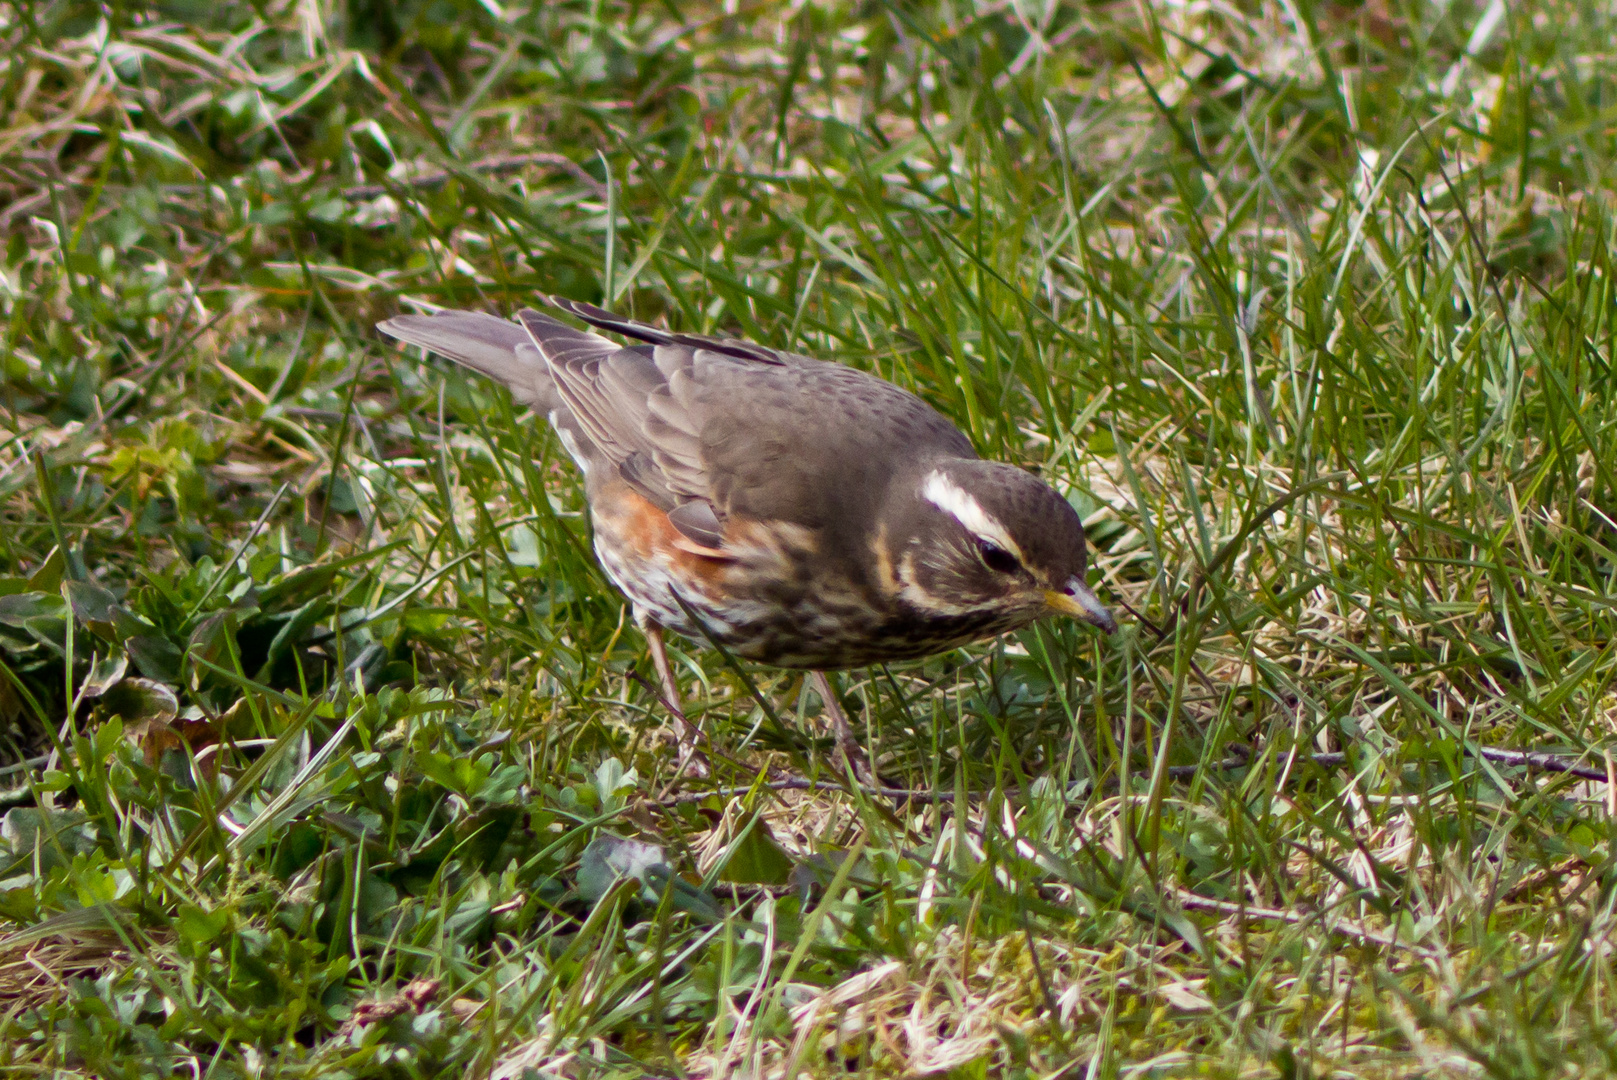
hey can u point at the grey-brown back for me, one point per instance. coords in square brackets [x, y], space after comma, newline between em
[770, 435]
[706, 428]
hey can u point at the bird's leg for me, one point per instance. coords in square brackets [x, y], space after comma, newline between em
[691, 757]
[847, 744]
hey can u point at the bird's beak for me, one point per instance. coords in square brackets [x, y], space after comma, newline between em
[1079, 602]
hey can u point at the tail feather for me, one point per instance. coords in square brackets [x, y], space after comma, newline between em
[510, 353]
[602, 319]
[499, 349]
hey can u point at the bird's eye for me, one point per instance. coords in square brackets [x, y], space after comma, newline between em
[997, 558]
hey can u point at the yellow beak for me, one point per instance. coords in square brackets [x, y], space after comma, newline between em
[1078, 601]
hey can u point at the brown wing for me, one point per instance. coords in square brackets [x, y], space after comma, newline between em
[743, 430]
[619, 397]
[705, 428]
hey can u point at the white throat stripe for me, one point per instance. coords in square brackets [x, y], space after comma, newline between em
[951, 498]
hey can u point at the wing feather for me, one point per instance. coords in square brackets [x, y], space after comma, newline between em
[709, 428]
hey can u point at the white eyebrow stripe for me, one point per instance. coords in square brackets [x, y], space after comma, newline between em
[951, 498]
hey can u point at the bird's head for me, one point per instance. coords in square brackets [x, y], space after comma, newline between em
[974, 536]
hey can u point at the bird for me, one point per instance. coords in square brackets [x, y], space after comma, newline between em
[802, 513]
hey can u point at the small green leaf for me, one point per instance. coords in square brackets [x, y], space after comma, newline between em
[612, 780]
[302, 620]
[198, 927]
[479, 836]
[98, 883]
[48, 630]
[139, 700]
[505, 785]
[126, 624]
[19, 608]
[462, 775]
[302, 585]
[53, 836]
[107, 738]
[156, 657]
[756, 857]
[208, 642]
[91, 603]
[105, 673]
[48, 578]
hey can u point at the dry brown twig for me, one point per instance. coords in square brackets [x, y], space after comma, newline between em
[1539, 878]
[413, 997]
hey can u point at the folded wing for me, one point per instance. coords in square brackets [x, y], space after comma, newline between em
[705, 428]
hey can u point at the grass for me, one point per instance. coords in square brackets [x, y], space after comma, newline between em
[334, 754]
